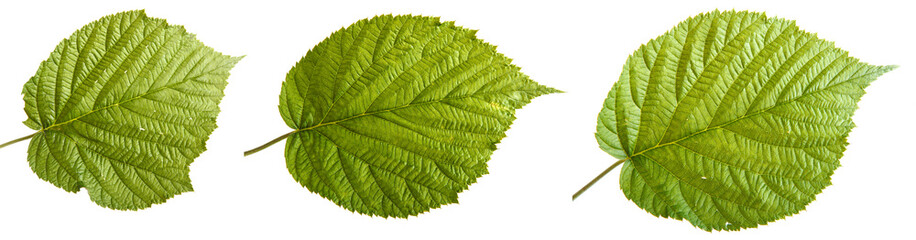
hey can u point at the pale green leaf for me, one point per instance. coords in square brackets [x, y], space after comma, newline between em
[396, 115]
[732, 119]
[122, 107]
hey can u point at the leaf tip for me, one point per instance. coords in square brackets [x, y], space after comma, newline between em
[888, 68]
[237, 59]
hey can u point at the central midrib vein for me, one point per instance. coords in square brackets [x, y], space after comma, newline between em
[58, 125]
[707, 129]
[322, 124]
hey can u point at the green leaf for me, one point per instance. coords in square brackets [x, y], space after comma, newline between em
[731, 119]
[122, 108]
[396, 115]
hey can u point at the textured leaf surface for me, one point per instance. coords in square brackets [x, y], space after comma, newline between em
[396, 115]
[122, 108]
[731, 119]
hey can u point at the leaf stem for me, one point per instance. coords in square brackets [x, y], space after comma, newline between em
[597, 178]
[17, 140]
[268, 144]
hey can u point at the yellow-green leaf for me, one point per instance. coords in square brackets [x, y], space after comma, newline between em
[122, 107]
[731, 119]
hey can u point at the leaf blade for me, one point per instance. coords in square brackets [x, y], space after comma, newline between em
[122, 108]
[760, 127]
[395, 115]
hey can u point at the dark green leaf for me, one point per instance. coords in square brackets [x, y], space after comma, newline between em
[396, 115]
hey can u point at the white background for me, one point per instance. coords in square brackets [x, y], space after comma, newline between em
[550, 151]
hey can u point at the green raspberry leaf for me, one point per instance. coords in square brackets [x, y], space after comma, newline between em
[731, 120]
[122, 107]
[396, 115]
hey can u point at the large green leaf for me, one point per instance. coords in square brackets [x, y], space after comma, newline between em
[731, 119]
[396, 115]
[122, 108]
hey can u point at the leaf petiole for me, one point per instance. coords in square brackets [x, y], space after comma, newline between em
[17, 140]
[268, 144]
[589, 185]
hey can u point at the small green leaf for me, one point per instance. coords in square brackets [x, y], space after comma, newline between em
[122, 107]
[731, 119]
[396, 115]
